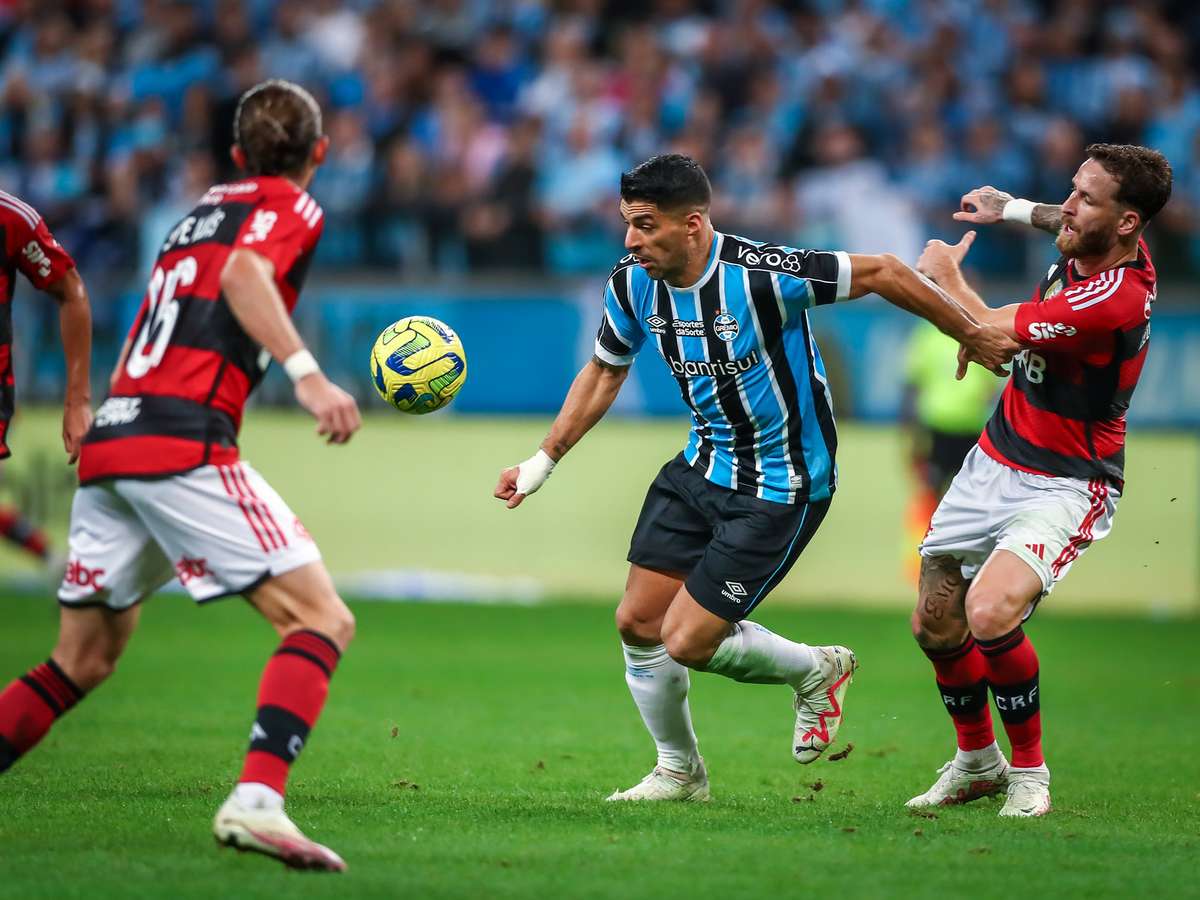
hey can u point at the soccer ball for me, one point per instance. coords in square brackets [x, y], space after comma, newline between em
[418, 364]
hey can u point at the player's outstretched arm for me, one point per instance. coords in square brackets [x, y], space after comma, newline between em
[248, 285]
[591, 394]
[942, 262]
[75, 325]
[887, 276]
[987, 205]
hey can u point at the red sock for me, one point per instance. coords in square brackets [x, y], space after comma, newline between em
[962, 682]
[16, 528]
[290, 697]
[1012, 671]
[30, 705]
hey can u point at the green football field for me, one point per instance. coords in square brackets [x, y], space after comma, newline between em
[466, 750]
[406, 508]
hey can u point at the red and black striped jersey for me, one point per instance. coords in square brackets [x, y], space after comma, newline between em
[178, 401]
[1085, 341]
[26, 244]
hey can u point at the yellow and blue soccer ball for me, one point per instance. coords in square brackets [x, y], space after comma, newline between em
[418, 364]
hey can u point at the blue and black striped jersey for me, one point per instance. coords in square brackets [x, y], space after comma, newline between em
[739, 344]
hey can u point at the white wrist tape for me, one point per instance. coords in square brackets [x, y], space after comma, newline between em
[1018, 210]
[532, 473]
[299, 365]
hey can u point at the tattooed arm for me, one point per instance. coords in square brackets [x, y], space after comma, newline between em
[985, 206]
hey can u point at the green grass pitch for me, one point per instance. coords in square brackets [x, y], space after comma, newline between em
[466, 751]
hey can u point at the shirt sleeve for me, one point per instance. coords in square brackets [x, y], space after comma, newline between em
[39, 256]
[620, 336]
[810, 278]
[1076, 318]
[282, 229]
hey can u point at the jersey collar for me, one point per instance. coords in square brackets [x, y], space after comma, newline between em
[714, 256]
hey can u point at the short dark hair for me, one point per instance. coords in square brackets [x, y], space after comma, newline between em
[1143, 175]
[277, 124]
[671, 181]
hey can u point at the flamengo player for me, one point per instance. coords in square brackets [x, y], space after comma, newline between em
[163, 491]
[27, 245]
[1044, 480]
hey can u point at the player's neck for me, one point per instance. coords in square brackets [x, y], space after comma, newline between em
[697, 260]
[1118, 255]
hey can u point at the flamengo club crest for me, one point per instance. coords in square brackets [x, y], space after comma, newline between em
[725, 326]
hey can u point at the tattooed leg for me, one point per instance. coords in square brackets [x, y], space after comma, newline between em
[940, 620]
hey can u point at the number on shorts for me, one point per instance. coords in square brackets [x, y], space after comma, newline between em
[162, 313]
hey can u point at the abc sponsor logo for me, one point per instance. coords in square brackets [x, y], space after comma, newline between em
[81, 576]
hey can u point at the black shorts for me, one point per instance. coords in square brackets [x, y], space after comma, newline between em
[733, 548]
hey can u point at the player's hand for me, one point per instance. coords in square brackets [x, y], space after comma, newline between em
[982, 206]
[990, 348]
[77, 419]
[519, 481]
[335, 411]
[939, 260]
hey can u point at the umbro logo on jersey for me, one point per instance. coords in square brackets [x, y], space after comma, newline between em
[657, 324]
[735, 591]
[725, 326]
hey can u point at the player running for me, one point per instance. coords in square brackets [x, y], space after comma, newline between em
[725, 520]
[1044, 480]
[28, 246]
[163, 491]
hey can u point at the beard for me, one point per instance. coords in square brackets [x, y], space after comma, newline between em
[1083, 244]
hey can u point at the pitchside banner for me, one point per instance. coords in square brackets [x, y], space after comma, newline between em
[524, 347]
[523, 351]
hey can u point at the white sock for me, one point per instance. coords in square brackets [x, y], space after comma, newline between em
[660, 687]
[978, 760]
[258, 796]
[757, 655]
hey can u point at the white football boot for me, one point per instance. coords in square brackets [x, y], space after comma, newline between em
[957, 785]
[663, 784]
[1028, 792]
[267, 829]
[819, 707]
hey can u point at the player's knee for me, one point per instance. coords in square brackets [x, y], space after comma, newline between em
[688, 648]
[636, 628]
[992, 612]
[932, 634]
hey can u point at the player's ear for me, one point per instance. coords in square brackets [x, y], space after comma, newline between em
[238, 155]
[320, 150]
[1129, 223]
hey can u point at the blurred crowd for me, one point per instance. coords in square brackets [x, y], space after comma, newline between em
[484, 135]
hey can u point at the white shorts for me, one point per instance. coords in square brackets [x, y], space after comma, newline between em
[220, 529]
[1048, 522]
